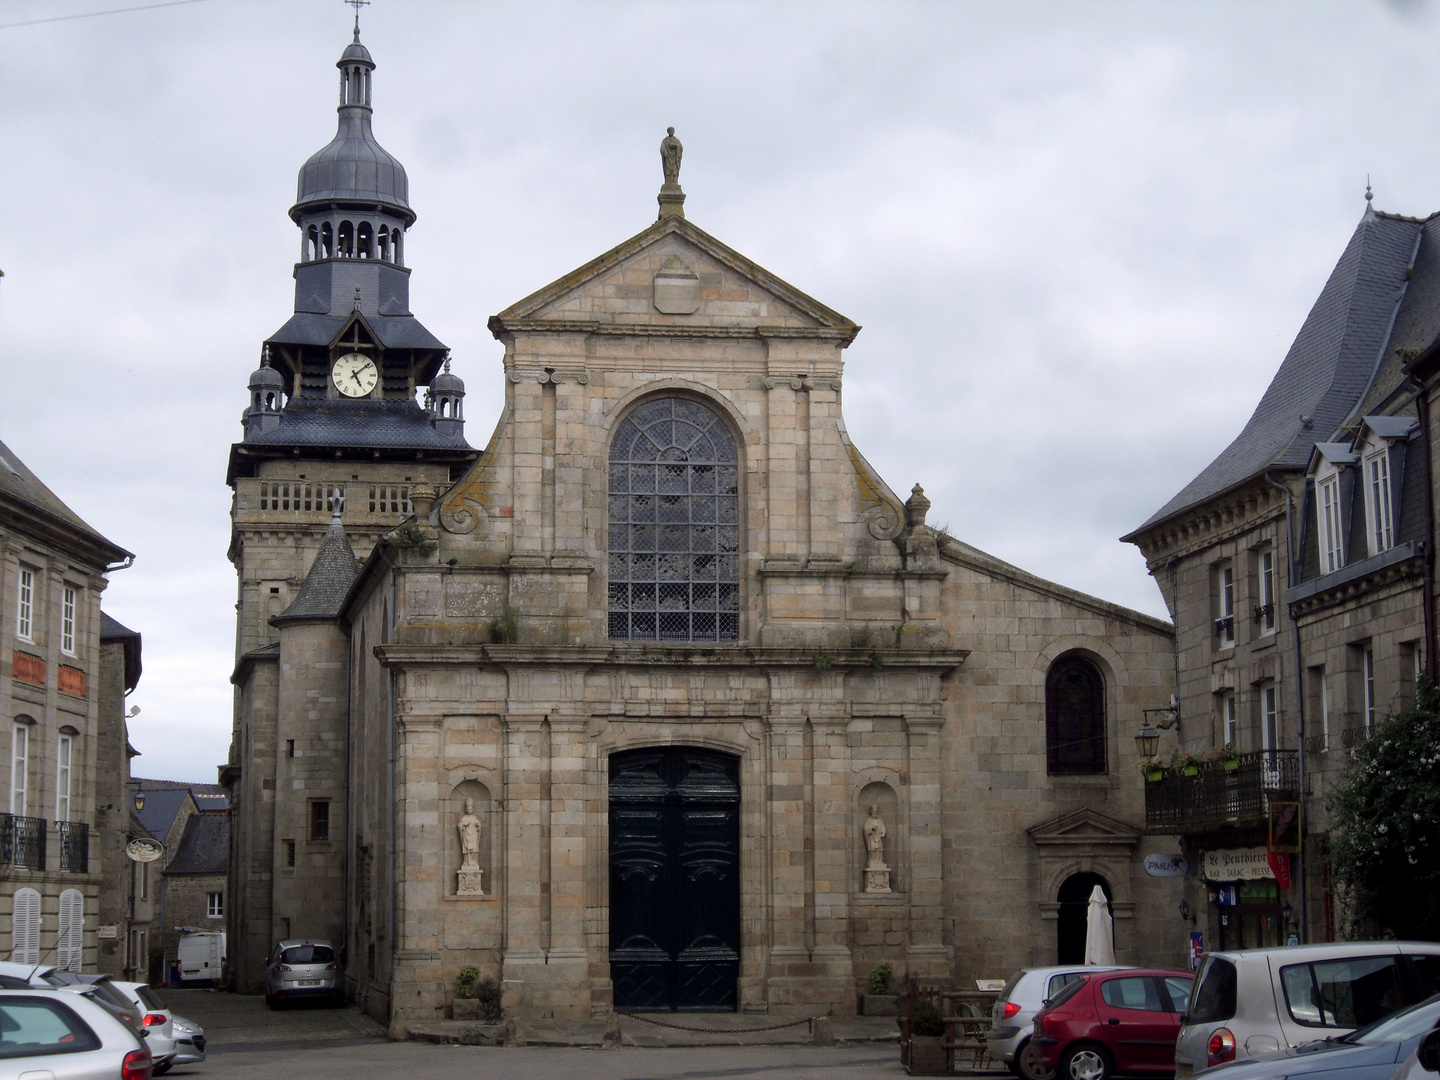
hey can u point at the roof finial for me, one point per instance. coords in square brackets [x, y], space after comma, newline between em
[357, 297]
[671, 198]
[357, 5]
[1368, 193]
[447, 363]
[265, 358]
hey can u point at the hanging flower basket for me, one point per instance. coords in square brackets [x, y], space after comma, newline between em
[1192, 770]
[1232, 764]
[1154, 775]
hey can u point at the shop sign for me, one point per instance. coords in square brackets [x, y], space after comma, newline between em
[1227, 896]
[1236, 864]
[1197, 948]
[1166, 865]
[110, 931]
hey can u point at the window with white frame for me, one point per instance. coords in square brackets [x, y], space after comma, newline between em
[215, 905]
[1269, 715]
[1225, 605]
[25, 927]
[1324, 711]
[1332, 540]
[1228, 718]
[142, 880]
[63, 748]
[67, 621]
[1367, 686]
[19, 757]
[1265, 572]
[1377, 501]
[25, 606]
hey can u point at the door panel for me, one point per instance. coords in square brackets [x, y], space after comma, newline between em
[1142, 1032]
[674, 879]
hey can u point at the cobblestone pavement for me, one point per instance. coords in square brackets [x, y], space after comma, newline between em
[242, 1020]
[380, 1061]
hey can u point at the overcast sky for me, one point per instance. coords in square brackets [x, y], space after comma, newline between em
[1080, 237]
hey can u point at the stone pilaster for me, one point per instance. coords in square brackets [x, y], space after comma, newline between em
[927, 955]
[526, 876]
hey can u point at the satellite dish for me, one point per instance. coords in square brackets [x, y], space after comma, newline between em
[144, 849]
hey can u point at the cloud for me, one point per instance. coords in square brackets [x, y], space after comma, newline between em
[1080, 238]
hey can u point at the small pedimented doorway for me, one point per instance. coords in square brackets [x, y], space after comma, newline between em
[674, 879]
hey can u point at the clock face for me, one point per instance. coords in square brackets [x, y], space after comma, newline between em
[355, 375]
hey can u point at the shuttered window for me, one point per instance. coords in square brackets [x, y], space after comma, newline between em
[71, 942]
[25, 928]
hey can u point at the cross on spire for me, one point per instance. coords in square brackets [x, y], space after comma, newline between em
[357, 5]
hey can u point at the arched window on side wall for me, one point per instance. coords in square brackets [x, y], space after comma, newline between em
[1074, 717]
[674, 525]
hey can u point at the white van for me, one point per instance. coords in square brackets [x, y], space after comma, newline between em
[1255, 1001]
[201, 957]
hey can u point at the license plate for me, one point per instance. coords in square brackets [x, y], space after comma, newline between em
[307, 982]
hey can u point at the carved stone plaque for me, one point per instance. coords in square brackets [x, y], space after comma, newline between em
[677, 289]
[470, 883]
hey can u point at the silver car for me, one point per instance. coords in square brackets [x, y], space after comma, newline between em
[171, 1038]
[1012, 1021]
[1258, 1001]
[66, 1036]
[303, 968]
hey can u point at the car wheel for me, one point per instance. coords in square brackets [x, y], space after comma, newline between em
[1085, 1062]
[1027, 1063]
[161, 1070]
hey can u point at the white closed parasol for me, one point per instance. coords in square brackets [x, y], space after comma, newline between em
[1099, 930]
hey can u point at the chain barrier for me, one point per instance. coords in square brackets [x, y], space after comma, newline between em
[716, 1031]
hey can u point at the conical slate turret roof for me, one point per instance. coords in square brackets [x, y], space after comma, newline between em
[328, 583]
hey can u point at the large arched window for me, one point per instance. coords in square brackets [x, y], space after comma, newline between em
[674, 525]
[1074, 717]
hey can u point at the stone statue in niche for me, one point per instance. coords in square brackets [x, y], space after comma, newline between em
[471, 878]
[877, 873]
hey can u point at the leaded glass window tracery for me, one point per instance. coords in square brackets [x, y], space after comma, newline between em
[674, 525]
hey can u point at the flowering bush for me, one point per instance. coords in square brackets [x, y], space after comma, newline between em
[1385, 832]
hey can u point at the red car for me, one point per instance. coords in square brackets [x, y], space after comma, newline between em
[1113, 1023]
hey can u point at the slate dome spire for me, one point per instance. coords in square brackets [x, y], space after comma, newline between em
[353, 170]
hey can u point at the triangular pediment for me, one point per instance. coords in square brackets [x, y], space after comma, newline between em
[1085, 827]
[356, 333]
[675, 274]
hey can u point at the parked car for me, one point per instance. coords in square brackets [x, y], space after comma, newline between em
[189, 1042]
[1119, 1023]
[200, 956]
[47, 1032]
[161, 1027]
[101, 988]
[1013, 1018]
[1425, 1059]
[1258, 1001]
[303, 969]
[1368, 1053]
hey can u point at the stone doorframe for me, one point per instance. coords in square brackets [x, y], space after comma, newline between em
[1084, 841]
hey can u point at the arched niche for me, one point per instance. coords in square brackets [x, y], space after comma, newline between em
[485, 810]
[882, 796]
[1073, 897]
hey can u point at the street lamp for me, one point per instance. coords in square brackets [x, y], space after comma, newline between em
[139, 801]
[1147, 741]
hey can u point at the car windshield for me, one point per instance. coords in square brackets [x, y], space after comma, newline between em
[308, 954]
[1010, 986]
[148, 999]
[1406, 1024]
[1213, 999]
[30, 1028]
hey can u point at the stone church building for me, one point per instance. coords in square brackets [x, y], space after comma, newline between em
[665, 699]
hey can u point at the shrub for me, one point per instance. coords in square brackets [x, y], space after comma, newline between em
[880, 978]
[927, 1019]
[487, 992]
[465, 982]
[1385, 832]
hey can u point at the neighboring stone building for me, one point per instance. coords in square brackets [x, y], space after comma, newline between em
[1296, 568]
[171, 811]
[612, 716]
[66, 670]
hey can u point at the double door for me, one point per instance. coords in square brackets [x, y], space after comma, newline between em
[674, 879]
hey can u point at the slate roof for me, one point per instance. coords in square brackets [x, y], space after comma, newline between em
[328, 583]
[160, 809]
[19, 483]
[204, 847]
[336, 422]
[110, 630]
[1330, 366]
[393, 331]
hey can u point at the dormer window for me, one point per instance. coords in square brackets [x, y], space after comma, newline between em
[1332, 538]
[1377, 501]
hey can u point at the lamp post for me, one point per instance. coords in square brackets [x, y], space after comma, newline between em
[1147, 741]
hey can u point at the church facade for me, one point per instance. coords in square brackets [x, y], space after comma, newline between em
[665, 700]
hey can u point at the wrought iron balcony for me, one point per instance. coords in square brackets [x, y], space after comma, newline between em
[1216, 796]
[74, 846]
[22, 841]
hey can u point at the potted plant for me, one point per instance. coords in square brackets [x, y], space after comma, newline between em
[927, 1038]
[1228, 757]
[880, 1001]
[1186, 763]
[1152, 770]
[476, 998]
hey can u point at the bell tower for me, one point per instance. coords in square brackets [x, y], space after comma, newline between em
[333, 440]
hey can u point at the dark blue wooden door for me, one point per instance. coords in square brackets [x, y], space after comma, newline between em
[674, 879]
